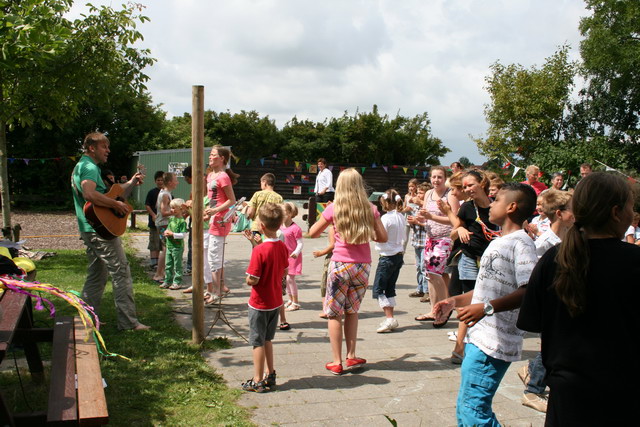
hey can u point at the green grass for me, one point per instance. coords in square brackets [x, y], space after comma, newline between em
[167, 382]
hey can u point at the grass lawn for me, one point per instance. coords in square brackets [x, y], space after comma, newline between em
[167, 382]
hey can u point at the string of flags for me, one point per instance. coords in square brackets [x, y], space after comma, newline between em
[12, 160]
[608, 168]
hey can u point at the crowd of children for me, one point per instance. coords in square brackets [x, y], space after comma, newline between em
[477, 242]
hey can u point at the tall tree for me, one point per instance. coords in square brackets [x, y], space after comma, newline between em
[611, 66]
[51, 65]
[527, 106]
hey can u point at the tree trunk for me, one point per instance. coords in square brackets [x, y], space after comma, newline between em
[4, 181]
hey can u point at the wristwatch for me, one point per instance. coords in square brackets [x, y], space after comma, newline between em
[488, 309]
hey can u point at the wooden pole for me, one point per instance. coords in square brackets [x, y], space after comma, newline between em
[197, 164]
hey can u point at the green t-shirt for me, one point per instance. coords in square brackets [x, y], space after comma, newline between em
[177, 225]
[260, 198]
[86, 169]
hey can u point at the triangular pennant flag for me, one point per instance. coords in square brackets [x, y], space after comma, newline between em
[342, 168]
[386, 168]
[42, 161]
[286, 162]
[330, 168]
[540, 174]
[275, 156]
[237, 159]
[262, 162]
[424, 174]
[247, 162]
[363, 168]
[415, 172]
[405, 169]
[609, 169]
[11, 160]
[26, 161]
[506, 165]
[57, 159]
[395, 166]
[73, 158]
[297, 164]
[308, 166]
[373, 165]
[515, 171]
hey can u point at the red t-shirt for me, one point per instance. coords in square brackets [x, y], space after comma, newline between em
[538, 186]
[268, 263]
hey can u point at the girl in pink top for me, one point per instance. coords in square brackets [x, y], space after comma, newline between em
[293, 240]
[438, 244]
[221, 197]
[356, 222]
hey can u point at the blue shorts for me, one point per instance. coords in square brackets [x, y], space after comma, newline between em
[467, 268]
[262, 326]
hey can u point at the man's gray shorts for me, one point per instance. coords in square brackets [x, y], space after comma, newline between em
[154, 240]
[262, 326]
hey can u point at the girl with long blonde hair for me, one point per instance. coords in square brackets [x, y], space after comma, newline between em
[356, 222]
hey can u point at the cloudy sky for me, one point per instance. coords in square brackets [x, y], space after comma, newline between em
[318, 58]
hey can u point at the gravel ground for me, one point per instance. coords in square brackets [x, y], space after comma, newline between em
[48, 230]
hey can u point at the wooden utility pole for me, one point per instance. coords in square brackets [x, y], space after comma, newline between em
[197, 165]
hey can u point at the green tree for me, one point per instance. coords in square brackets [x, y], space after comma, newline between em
[611, 65]
[51, 65]
[247, 132]
[527, 106]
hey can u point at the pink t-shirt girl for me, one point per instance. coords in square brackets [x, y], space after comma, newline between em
[344, 252]
[292, 234]
[217, 196]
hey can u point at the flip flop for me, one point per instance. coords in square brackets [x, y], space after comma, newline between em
[285, 326]
[425, 318]
[456, 358]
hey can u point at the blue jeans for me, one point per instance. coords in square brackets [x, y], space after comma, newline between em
[480, 376]
[423, 282]
[387, 276]
[536, 384]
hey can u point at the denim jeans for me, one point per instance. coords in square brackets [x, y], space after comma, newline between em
[536, 384]
[387, 276]
[423, 282]
[480, 376]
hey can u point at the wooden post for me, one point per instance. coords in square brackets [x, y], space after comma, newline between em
[197, 164]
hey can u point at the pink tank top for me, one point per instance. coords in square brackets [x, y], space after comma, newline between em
[435, 230]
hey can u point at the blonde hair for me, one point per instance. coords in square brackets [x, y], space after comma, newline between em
[532, 170]
[353, 217]
[554, 200]
[176, 203]
[290, 208]
[271, 216]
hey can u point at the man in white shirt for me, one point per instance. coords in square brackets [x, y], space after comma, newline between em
[324, 183]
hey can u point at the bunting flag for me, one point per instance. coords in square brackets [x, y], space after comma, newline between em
[26, 161]
[308, 166]
[330, 168]
[373, 165]
[515, 171]
[286, 162]
[247, 162]
[415, 172]
[275, 156]
[405, 169]
[395, 166]
[424, 174]
[237, 159]
[506, 165]
[386, 169]
[73, 158]
[297, 164]
[363, 168]
[262, 162]
[540, 174]
[342, 168]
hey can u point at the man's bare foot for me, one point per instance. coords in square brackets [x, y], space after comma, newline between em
[141, 327]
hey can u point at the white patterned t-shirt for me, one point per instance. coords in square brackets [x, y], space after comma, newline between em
[505, 266]
[546, 241]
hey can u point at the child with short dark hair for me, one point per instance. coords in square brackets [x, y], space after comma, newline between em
[491, 309]
[268, 265]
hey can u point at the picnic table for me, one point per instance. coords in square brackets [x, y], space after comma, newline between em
[76, 392]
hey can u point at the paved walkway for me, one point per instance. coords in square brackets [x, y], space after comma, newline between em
[408, 376]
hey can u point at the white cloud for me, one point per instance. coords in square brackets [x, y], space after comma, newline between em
[316, 59]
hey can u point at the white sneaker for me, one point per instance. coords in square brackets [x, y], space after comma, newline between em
[387, 326]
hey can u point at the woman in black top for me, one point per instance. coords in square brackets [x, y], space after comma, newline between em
[576, 299]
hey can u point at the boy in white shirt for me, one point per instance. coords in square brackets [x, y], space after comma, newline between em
[491, 309]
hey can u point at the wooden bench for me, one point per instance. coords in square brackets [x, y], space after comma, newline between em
[133, 216]
[76, 393]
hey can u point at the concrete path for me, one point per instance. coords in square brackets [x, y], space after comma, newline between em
[408, 376]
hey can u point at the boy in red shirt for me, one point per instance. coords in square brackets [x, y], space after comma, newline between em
[268, 265]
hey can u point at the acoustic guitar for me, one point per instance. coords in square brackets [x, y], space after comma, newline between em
[108, 223]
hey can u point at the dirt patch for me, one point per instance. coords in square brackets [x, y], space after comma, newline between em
[48, 230]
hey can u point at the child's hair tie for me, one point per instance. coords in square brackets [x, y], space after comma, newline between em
[385, 196]
[398, 198]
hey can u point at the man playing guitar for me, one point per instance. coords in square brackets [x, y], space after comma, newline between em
[106, 257]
